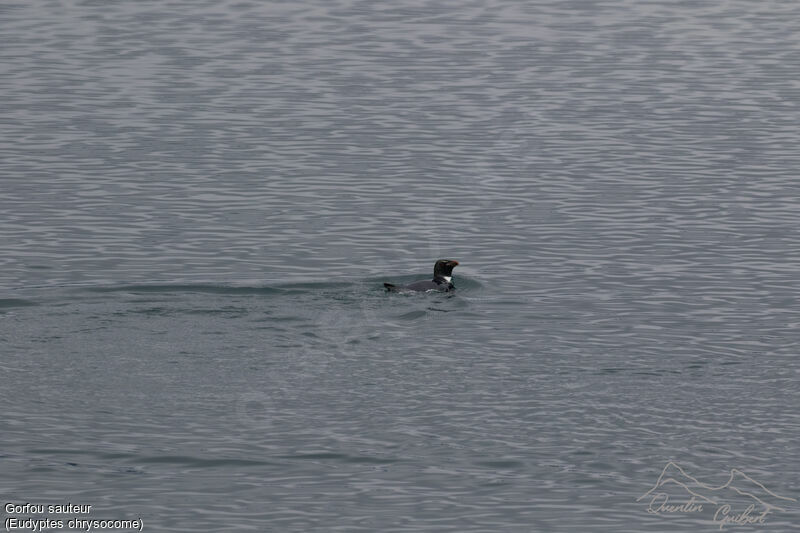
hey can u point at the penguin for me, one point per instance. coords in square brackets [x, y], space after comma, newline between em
[442, 279]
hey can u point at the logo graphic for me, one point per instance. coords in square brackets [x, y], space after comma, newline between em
[741, 500]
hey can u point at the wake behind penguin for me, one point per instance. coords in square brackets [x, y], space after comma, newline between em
[442, 279]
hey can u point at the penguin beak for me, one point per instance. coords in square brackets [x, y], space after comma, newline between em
[454, 263]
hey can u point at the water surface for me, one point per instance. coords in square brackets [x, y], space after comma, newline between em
[201, 201]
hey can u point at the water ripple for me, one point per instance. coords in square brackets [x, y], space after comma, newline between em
[201, 202]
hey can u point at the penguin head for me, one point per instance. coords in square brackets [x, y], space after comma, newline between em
[444, 268]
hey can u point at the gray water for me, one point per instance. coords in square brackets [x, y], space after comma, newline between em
[199, 202]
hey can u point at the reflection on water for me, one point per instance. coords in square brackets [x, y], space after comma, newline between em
[201, 202]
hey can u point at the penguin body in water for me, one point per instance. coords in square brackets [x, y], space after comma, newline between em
[442, 279]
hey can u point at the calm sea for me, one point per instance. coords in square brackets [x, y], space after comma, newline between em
[200, 201]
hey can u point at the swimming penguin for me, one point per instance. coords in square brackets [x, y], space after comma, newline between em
[442, 279]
